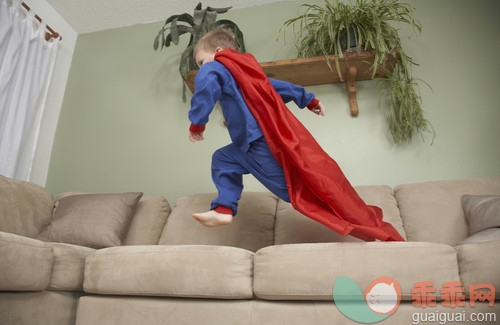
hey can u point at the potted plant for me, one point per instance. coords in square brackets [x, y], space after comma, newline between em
[197, 25]
[339, 27]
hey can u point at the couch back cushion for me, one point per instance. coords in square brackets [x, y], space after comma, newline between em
[148, 221]
[293, 227]
[251, 229]
[25, 208]
[433, 212]
[144, 227]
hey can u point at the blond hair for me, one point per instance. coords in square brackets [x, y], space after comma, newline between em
[218, 37]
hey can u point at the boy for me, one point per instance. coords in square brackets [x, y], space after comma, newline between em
[269, 143]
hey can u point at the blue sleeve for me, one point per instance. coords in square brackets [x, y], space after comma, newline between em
[207, 91]
[289, 92]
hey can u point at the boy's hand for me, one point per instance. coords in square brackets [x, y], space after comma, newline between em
[195, 136]
[319, 109]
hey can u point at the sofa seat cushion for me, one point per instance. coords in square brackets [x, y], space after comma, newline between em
[251, 229]
[479, 263]
[308, 271]
[68, 268]
[194, 271]
[25, 263]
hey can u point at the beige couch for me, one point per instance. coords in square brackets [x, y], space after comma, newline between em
[270, 266]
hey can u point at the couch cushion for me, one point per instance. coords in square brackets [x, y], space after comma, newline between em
[148, 221]
[483, 235]
[480, 263]
[481, 211]
[69, 265]
[26, 263]
[251, 229]
[432, 211]
[308, 271]
[294, 227]
[25, 208]
[92, 220]
[178, 271]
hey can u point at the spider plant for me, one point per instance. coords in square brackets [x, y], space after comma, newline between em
[197, 25]
[366, 25]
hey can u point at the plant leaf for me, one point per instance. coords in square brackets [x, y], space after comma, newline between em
[156, 42]
[209, 21]
[199, 16]
[174, 32]
[219, 10]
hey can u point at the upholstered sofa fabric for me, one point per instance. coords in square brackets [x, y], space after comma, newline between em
[92, 220]
[121, 310]
[433, 212]
[293, 227]
[192, 271]
[480, 263]
[25, 208]
[158, 311]
[69, 263]
[148, 222]
[272, 265]
[482, 212]
[38, 308]
[483, 235]
[25, 263]
[251, 229]
[308, 271]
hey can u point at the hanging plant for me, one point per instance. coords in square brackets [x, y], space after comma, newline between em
[196, 25]
[365, 26]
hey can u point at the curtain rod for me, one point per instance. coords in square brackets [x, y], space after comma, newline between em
[47, 35]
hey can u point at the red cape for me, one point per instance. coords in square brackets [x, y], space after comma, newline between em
[316, 185]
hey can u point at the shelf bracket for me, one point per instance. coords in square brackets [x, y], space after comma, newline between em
[351, 90]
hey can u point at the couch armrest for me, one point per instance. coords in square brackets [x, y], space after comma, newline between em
[25, 208]
[25, 263]
[69, 265]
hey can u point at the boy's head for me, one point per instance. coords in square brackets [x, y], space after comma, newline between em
[211, 43]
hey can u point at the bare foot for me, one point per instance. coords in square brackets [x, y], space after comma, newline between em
[213, 218]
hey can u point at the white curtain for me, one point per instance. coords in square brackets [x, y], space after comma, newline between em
[26, 64]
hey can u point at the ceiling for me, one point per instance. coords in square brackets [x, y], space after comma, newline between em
[86, 16]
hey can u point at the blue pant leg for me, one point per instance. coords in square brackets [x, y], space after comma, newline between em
[227, 171]
[229, 163]
[261, 163]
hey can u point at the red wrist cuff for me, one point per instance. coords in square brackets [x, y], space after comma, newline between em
[224, 210]
[313, 104]
[196, 128]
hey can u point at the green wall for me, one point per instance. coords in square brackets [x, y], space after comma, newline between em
[123, 125]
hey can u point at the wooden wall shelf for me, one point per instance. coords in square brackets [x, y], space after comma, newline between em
[315, 71]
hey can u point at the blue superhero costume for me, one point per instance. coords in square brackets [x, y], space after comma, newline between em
[249, 151]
